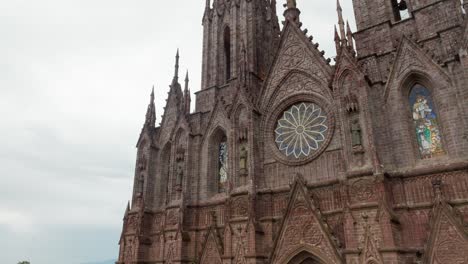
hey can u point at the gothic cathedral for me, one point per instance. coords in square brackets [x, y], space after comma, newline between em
[290, 158]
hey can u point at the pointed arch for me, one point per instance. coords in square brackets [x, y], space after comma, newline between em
[305, 257]
[218, 171]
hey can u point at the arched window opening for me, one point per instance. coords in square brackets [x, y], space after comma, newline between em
[400, 10]
[227, 52]
[426, 122]
[222, 164]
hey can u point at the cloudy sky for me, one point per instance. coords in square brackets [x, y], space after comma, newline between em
[75, 79]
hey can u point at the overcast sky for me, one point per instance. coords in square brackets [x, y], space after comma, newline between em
[75, 79]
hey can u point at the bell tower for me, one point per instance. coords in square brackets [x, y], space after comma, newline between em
[238, 32]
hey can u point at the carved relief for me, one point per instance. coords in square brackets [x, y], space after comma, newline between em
[363, 190]
[450, 247]
[240, 207]
[303, 228]
[172, 218]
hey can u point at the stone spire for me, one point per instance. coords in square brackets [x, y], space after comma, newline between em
[176, 71]
[349, 36]
[341, 21]
[292, 13]
[151, 112]
[187, 97]
[337, 41]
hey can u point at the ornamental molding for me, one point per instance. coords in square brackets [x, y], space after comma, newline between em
[448, 239]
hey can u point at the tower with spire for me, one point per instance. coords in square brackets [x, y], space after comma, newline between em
[288, 157]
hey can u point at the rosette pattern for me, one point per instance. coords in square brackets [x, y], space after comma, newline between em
[301, 130]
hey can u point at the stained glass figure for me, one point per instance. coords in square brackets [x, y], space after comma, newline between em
[425, 122]
[222, 165]
[301, 130]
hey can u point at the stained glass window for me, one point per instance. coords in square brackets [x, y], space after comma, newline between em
[222, 165]
[425, 122]
[301, 130]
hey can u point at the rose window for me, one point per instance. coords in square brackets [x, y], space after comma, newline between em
[301, 130]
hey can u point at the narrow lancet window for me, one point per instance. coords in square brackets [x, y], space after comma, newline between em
[426, 123]
[400, 10]
[222, 165]
[227, 52]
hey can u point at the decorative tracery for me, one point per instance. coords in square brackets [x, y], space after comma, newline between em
[301, 130]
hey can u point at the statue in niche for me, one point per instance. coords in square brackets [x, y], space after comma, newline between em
[243, 157]
[179, 174]
[356, 134]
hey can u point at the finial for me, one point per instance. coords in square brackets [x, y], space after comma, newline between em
[208, 4]
[152, 94]
[186, 81]
[292, 13]
[176, 73]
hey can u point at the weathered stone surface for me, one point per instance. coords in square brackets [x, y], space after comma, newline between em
[360, 192]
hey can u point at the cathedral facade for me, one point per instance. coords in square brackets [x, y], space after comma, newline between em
[290, 158]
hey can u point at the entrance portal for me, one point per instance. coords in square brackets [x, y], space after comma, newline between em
[305, 258]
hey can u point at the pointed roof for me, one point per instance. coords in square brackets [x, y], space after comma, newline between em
[340, 20]
[448, 233]
[303, 229]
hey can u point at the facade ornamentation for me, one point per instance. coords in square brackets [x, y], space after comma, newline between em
[285, 152]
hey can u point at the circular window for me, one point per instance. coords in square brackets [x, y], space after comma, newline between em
[301, 131]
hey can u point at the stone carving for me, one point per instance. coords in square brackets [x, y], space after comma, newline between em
[172, 218]
[450, 247]
[302, 227]
[240, 207]
[293, 56]
[356, 133]
[363, 190]
[211, 254]
[243, 159]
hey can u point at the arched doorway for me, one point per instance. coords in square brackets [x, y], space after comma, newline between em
[305, 258]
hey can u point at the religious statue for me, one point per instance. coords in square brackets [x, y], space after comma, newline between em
[291, 4]
[180, 173]
[243, 155]
[356, 133]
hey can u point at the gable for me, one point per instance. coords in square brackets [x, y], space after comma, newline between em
[172, 112]
[211, 250]
[448, 242]
[302, 230]
[296, 53]
[411, 59]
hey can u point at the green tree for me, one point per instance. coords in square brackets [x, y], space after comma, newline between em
[24, 262]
